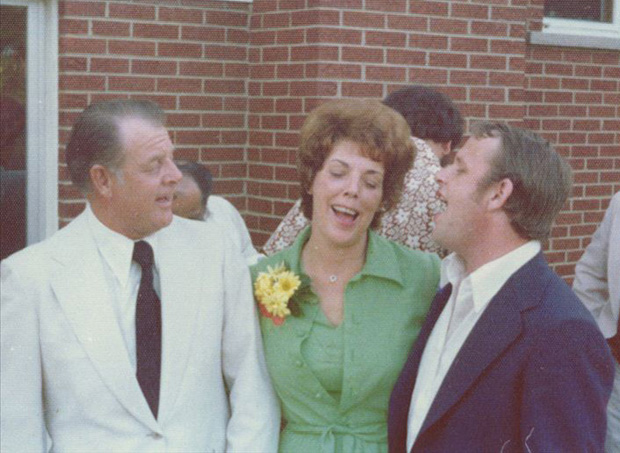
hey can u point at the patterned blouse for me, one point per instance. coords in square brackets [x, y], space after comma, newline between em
[409, 222]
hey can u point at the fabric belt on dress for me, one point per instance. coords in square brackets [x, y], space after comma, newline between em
[375, 432]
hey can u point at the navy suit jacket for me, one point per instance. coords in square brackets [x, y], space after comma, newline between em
[535, 374]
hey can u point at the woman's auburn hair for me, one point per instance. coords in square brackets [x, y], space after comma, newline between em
[382, 134]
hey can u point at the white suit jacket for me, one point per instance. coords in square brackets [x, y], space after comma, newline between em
[65, 371]
[597, 274]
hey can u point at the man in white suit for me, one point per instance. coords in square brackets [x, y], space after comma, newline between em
[597, 283]
[75, 351]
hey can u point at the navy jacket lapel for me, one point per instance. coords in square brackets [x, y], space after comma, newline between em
[500, 322]
[400, 399]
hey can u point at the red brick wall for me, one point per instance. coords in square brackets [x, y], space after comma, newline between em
[191, 57]
[238, 80]
[573, 99]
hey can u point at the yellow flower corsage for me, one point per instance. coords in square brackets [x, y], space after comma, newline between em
[274, 290]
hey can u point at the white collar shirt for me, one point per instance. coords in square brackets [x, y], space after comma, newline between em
[471, 294]
[122, 276]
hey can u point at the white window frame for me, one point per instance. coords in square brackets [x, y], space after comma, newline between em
[41, 117]
[580, 33]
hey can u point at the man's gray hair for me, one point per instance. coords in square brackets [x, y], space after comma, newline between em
[95, 136]
[541, 178]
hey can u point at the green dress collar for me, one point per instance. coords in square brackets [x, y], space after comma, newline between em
[381, 260]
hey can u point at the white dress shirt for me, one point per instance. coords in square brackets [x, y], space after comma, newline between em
[122, 275]
[470, 296]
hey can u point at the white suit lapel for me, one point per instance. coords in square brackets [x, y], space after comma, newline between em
[180, 291]
[82, 292]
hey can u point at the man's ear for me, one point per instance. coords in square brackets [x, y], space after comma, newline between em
[101, 179]
[501, 192]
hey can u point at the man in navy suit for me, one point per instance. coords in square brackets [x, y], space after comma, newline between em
[508, 359]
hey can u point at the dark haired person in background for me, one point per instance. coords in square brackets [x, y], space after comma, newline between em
[431, 116]
[436, 127]
[193, 191]
[193, 200]
[131, 329]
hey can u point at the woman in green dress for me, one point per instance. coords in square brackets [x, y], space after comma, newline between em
[341, 308]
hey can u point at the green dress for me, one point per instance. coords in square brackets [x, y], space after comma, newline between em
[334, 383]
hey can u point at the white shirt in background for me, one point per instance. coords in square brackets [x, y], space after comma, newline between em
[222, 212]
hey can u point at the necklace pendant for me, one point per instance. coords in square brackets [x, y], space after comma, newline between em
[333, 278]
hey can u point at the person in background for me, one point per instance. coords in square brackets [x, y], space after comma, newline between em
[437, 128]
[12, 176]
[597, 283]
[335, 344]
[131, 329]
[193, 191]
[193, 200]
[508, 358]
